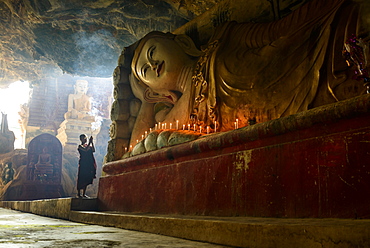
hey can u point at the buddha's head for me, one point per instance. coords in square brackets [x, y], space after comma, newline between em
[157, 62]
[81, 87]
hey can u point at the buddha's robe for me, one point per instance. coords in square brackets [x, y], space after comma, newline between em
[267, 71]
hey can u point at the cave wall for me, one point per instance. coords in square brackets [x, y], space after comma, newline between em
[42, 38]
[46, 38]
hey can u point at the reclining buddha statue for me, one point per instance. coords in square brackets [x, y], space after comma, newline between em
[247, 71]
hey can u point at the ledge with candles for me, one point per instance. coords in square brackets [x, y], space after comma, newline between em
[166, 134]
[295, 166]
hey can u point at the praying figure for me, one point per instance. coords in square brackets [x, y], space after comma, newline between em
[79, 104]
[86, 165]
[247, 71]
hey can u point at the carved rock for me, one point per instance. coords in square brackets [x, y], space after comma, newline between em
[120, 110]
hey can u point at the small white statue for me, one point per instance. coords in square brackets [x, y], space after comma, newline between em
[79, 104]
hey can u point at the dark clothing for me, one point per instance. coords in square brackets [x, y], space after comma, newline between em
[86, 166]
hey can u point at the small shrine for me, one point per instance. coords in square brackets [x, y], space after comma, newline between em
[44, 169]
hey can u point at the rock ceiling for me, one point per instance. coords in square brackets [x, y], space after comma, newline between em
[42, 38]
[46, 38]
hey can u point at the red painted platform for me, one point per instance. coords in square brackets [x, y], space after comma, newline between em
[312, 164]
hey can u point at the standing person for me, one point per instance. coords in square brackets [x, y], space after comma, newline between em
[86, 165]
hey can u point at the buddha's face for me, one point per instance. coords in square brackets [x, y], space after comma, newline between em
[81, 87]
[159, 64]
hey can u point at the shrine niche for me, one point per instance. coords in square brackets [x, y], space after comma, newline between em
[44, 160]
[39, 174]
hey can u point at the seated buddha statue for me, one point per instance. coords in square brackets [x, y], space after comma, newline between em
[247, 71]
[79, 104]
[44, 164]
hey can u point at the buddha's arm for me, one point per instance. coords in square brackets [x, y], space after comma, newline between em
[88, 103]
[40, 159]
[70, 102]
[144, 120]
[257, 35]
[48, 158]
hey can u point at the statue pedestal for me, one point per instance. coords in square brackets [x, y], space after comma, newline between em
[36, 191]
[312, 164]
[70, 130]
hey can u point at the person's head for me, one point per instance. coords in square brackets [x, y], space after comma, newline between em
[157, 61]
[81, 87]
[83, 138]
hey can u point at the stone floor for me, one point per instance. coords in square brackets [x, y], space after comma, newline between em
[20, 230]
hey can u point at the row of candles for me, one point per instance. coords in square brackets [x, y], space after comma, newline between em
[187, 127]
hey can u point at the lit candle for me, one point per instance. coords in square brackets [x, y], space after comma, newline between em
[183, 127]
[237, 123]
[194, 127]
[159, 125]
[200, 129]
[207, 129]
[165, 126]
[142, 136]
[146, 134]
[188, 127]
[215, 126]
[171, 125]
[177, 124]
[156, 127]
[150, 130]
[130, 147]
[125, 149]
[137, 141]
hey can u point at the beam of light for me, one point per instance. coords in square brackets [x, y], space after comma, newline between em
[11, 99]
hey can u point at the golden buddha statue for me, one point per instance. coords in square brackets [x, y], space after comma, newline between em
[247, 71]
